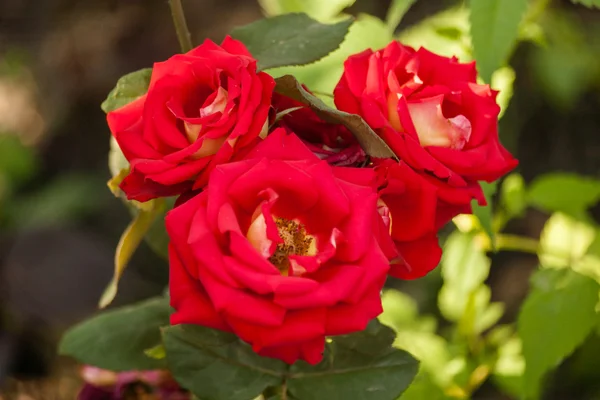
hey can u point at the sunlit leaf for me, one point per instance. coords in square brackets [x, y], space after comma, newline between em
[556, 317]
[503, 80]
[117, 339]
[445, 33]
[464, 268]
[291, 39]
[513, 197]
[318, 9]
[568, 193]
[397, 10]
[494, 31]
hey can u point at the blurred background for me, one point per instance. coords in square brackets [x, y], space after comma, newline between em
[59, 224]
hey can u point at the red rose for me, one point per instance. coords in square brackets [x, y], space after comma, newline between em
[202, 108]
[333, 143]
[280, 248]
[433, 115]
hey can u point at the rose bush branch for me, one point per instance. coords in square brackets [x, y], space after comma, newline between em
[183, 33]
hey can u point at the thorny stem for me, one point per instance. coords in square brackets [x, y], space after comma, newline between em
[183, 33]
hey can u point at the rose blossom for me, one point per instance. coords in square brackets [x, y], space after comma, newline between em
[442, 126]
[282, 249]
[202, 108]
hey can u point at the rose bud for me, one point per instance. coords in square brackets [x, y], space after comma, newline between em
[202, 108]
[440, 124]
[280, 248]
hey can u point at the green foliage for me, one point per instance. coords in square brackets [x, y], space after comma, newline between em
[445, 33]
[588, 3]
[569, 193]
[322, 76]
[358, 366]
[117, 339]
[556, 318]
[464, 268]
[291, 39]
[129, 87]
[513, 197]
[197, 355]
[361, 366]
[484, 213]
[17, 161]
[569, 63]
[397, 10]
[317, 9]
[494, 31]
[371, 143]
[61, 201]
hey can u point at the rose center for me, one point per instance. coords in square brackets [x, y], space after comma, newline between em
[432, 127]
[296, 241]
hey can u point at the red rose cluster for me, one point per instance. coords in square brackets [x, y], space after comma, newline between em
[286, 230]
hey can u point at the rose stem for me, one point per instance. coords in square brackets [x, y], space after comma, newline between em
[183, 33]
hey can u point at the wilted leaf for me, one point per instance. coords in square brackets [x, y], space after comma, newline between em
[117, 339]
[371, 143]
[129, 242]
[290, 39]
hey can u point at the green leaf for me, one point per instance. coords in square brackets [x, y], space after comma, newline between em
[366, 32]
[503, 80]
[556, 318]
[588, 3]
[364, 366]
[494, 31]
[423, 388]
[217, 365]
[512, 195]
[65, 199]
[445, 33]
[397, 10]
[129, 87]
[117, 339]
[464, 268]
[568, 193]
[484, 213]
[17, 161]
[371, 143]
[317, 9]
[291, 39]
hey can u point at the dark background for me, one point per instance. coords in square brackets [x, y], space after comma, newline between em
[59, 224]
